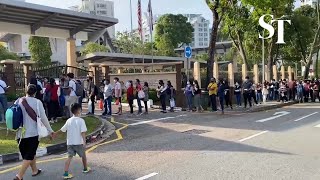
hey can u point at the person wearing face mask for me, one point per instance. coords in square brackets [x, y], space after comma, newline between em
[221, 94]
[118, 94]
[161, 93]
[237, 92]
[212, 88]
[247, 86]
[188, 91]
[197, 96]
[107, 93]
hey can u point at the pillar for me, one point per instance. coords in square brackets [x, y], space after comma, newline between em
[289, 73]
[196, 72]
[216, 70]
[71, 54]
[294, 74]
[180, 96]
[267, 74]
[105, 71]
[9, 75]
[27, 70]
[244, 72]
[94, 67]
[275, 72]
[256, 73]
[231, 74]
[283, 74]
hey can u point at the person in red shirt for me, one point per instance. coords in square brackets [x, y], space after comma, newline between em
[52, 90]
[130, 96]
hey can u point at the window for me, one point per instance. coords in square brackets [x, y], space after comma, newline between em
[200, 43]
[205, 24]
[102, 12]
[200, 34]
[200, 25]
[193, 39]
[200, 29]
[205, 34]
[200, 39]
[205, 44]
[205, 39]
[101, 6]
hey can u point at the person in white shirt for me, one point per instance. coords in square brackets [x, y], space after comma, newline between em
[108, 92]
[118, 93]
[71, 97]
[3, 97]
[76, 139]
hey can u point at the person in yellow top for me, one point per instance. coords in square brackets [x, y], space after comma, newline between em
[213, 88]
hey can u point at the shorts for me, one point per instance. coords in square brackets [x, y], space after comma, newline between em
[28, 147]
[76, 149]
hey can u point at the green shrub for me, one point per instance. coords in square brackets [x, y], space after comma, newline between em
[12, 97]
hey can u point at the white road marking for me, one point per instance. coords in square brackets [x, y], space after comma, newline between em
[255, 135]
[306, 116]
[147, 176]
[154, 120]
[317, 126]
[276, 115]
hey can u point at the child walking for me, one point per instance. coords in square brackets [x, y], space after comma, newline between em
[76, 139]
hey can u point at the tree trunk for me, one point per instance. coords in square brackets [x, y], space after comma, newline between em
[270, 58]
[309, 60]
[242, 51]
[212, 47]
[317, 64]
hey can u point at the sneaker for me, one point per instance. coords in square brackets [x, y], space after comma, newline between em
[86, 170]
[67, 176]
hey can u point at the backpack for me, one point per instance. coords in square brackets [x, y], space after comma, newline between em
[47, 96]
[79, 89]
[14, 117]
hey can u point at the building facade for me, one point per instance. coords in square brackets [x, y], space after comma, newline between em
[309, 2]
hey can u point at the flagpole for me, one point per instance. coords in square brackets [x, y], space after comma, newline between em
[131, 34]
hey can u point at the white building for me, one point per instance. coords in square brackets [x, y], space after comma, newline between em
[201, 34]
[98, 7]
[309, 2]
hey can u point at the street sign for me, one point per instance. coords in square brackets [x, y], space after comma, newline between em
[187, 52]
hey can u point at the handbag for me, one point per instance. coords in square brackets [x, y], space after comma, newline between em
[42, 130]
[141, 94]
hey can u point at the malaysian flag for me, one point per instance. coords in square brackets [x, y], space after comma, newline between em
[139, 19]
[150, 15]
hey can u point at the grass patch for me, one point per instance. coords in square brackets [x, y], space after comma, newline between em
[8, 143]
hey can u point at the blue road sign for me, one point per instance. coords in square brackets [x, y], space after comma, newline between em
[188, 52]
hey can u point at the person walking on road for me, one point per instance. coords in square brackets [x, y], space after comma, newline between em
[213, 88]
[71, 97]
[130, 95]
[118, 94]
[53, 91]
[3, 97]
[197, 96]
[91, 94]
[221, 95]
[171, 96]
[76, 140]
[146, 96]
[247, 86]
[29, 139]
[227, 94]
[237, 92]
[300, 92]
[189, 92]
[162, 93]
[107, 93]
[138, 89]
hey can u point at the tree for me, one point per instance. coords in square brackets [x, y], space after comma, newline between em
[217, 8]
[278, 9]
[236, 23]
[40, 50]
[172, 31]
[92, 47]
[130, 44]
[5, 54]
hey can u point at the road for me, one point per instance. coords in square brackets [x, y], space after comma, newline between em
[206, 146]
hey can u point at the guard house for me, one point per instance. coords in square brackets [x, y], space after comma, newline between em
[32, 19]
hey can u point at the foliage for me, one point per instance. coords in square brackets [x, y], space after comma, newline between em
[131, 44]
[92, 47]
[5, 54]
[172, 31]
[40, 50]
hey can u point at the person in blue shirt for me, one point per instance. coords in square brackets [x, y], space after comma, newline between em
[221, 94]
[189, 93]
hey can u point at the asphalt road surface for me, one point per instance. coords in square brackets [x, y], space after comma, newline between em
[277, 144]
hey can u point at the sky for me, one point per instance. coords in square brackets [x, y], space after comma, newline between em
[122, 8]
